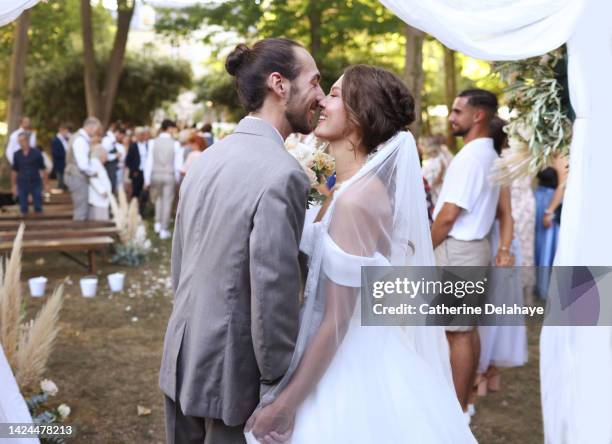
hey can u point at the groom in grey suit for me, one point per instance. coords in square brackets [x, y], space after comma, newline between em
[235, 252]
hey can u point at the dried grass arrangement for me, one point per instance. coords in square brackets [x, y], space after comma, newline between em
[27, 344]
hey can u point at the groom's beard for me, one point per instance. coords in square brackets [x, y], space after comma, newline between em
[298, 117]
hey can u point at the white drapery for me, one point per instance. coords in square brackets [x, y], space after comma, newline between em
[11, 9]
[576, 362]
[12, 406]
[13, 409]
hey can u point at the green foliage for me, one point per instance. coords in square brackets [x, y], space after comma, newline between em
[56, 93]
[537, 94]
[54, 36]
[337, 32]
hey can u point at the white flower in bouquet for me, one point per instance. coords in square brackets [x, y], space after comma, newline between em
[48, 387]
[64, 411]
[317, 164]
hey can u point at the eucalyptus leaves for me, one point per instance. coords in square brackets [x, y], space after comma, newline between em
[540, 129]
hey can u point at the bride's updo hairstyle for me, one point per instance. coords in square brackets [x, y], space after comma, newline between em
[377, 102]
[252, 66]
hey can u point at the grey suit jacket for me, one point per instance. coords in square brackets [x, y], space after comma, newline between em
[235, 274]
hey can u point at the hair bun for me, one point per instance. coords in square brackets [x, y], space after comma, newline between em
[236, 59]
[406, 111]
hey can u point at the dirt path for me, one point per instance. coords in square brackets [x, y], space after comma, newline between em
[106, 361]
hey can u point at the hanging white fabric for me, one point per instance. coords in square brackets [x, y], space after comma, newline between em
[13, 409]
[576, 362]
[493, 29]
[11, 9]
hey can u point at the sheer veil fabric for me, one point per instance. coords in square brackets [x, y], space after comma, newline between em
[377, 217]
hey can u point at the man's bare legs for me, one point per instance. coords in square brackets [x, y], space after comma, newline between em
[464, 356]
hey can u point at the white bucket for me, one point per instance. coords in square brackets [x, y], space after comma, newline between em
[115, 281]
[89, 286]
[37, 286]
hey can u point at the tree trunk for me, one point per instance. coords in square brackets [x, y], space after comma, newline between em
[314, 19]
[100, 103]
[450, 89]
[413, 73]
[115, 64]
[18, 69]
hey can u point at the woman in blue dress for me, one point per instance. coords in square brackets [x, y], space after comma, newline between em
[549, 197]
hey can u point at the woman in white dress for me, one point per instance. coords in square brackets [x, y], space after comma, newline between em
[436, 159]
[348, 383]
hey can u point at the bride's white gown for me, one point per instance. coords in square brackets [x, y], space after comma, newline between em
[378, 388]
[384, 385]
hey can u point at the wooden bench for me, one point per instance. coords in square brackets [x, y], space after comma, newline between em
[52, 224]
[59, 233]
[46, 207]
[46, 214]
[89, 244]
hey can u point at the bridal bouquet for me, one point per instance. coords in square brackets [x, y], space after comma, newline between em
[317, 164]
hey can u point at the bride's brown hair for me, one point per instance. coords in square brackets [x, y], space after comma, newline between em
[377, 102]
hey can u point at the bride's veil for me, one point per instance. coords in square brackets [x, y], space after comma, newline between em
[377, 217]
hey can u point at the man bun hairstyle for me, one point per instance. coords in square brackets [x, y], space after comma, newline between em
[377, 102]
[236, 58]
[252, 66]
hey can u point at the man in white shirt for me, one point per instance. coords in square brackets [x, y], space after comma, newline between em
[13, 144]
[463, 217]
[162, 173]
[78, 167]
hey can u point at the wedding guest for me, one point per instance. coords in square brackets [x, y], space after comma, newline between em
[59, 145]
[196, 144]
[549, 197]
[506, 346]
[463, 218]
[111, 144]
[136, 159]
[161, 174]
[207, 134]
[78, 168]
[25, 125]
[436, 158]
[121, 140]
[28, 175]
[100, 187]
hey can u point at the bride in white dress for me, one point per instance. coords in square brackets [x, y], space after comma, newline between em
[348, 383]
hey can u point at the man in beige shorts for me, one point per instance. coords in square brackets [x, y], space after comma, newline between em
[463, 217]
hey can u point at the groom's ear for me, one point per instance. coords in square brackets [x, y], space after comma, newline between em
[277, 83]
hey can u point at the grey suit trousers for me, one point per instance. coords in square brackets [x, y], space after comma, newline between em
[79, 189]
[181, 429]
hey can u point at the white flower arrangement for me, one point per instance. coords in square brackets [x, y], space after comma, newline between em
[48, 387]
[64, 411]
[316, 163]
[134, 245]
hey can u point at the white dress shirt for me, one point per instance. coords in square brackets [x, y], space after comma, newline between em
[143, 149]
[13, 143]
[107, 142]
[467, 185]
[178, 159]
[80, 150]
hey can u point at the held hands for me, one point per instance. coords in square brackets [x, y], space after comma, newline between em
[272, 424]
